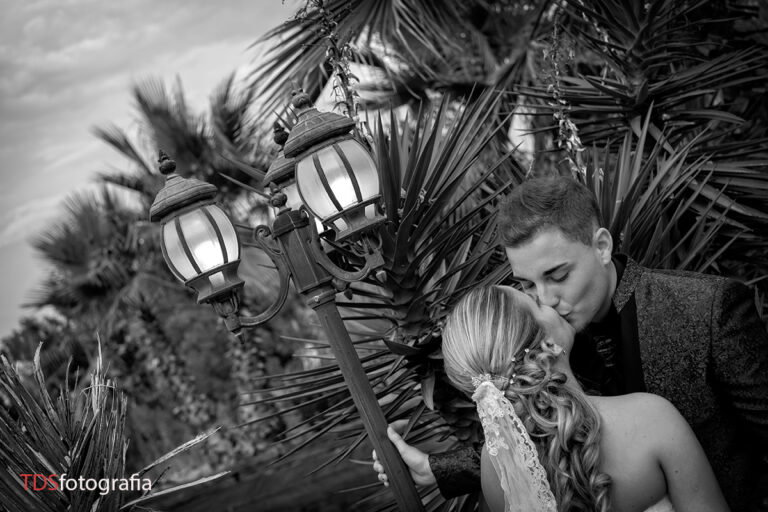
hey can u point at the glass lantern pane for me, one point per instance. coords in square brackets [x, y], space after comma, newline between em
[338, 177]
[291, 192]
[363, 166]
[330, 189]
[340, 225]
[217, 280]
[227, 230]
[178, 262]
[313, 192]
[201, 238]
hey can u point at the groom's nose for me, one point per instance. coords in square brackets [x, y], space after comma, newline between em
[548, 297]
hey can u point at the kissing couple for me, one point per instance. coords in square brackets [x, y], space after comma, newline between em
[601, 385]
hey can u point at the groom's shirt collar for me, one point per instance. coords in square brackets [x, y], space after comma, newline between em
[620, 262]
[599, 340]
[611, 320]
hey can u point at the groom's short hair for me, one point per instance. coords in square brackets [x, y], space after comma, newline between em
[549, 202]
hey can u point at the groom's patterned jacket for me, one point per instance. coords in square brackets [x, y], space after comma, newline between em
[696, 340]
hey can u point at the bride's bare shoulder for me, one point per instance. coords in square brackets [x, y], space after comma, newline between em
[633, 432]
[646, 402]
[637, 412]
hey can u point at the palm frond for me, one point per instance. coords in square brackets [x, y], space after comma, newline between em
[77, 434]
[173, 127]
[119, 140]
[415, 46]
[232, 121]
[300, 48]
[145, 187]
[668, 210]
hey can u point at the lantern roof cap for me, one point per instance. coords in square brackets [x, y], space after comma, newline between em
[281, 168]
[178, 192]
[313, 126]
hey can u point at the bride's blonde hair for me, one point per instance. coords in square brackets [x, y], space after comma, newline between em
[488, 332]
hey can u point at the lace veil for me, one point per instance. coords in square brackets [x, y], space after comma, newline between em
[511, 450]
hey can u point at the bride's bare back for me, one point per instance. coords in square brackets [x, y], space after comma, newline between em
[649, 451]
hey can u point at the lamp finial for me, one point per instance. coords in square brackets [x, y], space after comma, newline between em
[279, 134]
[301, 100]
[178, 192]
[167, 166]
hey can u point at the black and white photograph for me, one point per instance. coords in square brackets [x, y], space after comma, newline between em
[384, 255]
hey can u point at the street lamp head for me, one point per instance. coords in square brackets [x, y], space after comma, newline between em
[336, 175]
[281, 174]
[199, 242]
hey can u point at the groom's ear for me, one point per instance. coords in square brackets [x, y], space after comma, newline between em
[602, 241]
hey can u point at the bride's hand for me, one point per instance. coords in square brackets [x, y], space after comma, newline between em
[416, 460]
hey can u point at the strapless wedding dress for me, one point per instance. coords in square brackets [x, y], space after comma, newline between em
[662, 506]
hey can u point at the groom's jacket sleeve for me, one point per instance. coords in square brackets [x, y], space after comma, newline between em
[740, 357]
[457, 472]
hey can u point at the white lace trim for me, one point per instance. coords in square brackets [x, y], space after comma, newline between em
[502, 428]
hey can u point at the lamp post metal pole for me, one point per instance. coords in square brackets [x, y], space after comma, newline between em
[294, 233]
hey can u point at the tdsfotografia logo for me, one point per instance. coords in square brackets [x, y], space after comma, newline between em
[40, 482]
[54, 482]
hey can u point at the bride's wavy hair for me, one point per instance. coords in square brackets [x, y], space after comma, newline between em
[484, 332]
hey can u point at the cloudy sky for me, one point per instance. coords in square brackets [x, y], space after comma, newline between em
[67, 66]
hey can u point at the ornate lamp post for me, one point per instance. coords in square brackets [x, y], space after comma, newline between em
[338, 181]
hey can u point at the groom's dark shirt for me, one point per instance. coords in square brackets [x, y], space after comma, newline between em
[596, 357]
[606, 355]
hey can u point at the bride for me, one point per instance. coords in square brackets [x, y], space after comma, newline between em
[549, 446]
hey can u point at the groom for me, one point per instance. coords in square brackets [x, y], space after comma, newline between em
[694, 339]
